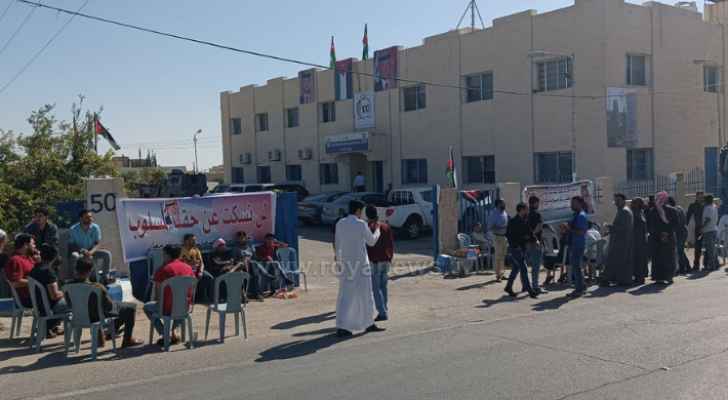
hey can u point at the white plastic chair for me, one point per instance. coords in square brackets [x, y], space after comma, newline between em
[40, 322]
[17, 312]
[287, 259]
[79, 295]
[180, 286]
[236, 284]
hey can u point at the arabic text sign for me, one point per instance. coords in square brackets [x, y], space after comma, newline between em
[556, 199]
[348, 143]
[146, 223]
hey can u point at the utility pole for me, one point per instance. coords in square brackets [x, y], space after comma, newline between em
[194, 139]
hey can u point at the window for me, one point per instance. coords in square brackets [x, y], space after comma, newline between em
[480, 169]
[292, 117]
[554, 74]
[711, 79]
[415, 98]
[640, 165]
[636, 70]
[264, 174]
[238, 175]
[329, 174]
[554, 167]
[328, 112]
[480, 87]
[414, 171]
[236, 126]
[293, 173]
[261, 122]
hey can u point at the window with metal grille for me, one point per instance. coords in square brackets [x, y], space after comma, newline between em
[479, 169]
[261, 122]
[636, 70]
[328, 112]
[292, 117]
[554, 74]
[264, 174]
[293, 173]
[554, 167]
[329, 174]
[640, 165]
[414, 171]
[480, 87]
[711, 79]
[236, 126]
[415, 97]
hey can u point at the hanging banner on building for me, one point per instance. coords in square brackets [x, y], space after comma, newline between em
[343, 79]
[622, 118]
[386, 68]
[147, 223]
[364, 117]
[307, 80]
[556, 199]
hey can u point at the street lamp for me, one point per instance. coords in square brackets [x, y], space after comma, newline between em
[194, 139]
[536, 54]
[708, 63]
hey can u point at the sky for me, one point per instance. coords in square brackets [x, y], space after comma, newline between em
[157, 92]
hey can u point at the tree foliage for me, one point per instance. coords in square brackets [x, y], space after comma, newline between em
[48, 165]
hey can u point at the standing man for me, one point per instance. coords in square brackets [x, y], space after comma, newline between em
[85, 240]
[360, 183]
[534, 247]
[355, 304]
[640, 247]
[710, 233]
[519, 235]
[683, 264]
[695, 212]
[619, 258]
[577, 245]
[498, 226]
[42, 229]
[380, 255]
[662, 224]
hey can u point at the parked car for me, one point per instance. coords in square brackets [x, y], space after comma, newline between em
[409, 210]
[339, 207]
[309, 210]
[300, 190]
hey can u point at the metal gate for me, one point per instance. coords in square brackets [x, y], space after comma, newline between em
[475, 208]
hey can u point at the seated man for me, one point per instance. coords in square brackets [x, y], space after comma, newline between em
[42, 229]
[266, 254]
[84, 241]
[45, 273]
[18, 267]
[125, 313]
[222, 260]
[192, 255]
[259, 278]
[173, 267]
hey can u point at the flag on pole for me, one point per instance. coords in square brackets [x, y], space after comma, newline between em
[103, 132]
[452, 175]
[365, 42]
[333, 54]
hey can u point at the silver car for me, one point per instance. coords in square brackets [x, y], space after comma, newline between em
[339, 208]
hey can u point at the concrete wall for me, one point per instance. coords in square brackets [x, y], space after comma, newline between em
[676, 117]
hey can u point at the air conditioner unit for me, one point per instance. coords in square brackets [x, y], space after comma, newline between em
[246, 158]
[301, 154]
[274, 155]
[305, 154]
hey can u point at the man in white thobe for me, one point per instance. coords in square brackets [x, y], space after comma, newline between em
[355, 305]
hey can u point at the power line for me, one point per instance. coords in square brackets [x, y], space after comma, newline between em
[42, 49]
[321, 66]
[20, 28]
[5, 11]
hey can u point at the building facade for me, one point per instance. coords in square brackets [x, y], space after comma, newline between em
[600, 88]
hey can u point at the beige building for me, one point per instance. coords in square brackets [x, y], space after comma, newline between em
[608, 87]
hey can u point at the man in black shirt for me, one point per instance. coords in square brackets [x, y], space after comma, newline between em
[42, 229]
[45, 274]
[695, 211]
[534, 248]
[519, 234]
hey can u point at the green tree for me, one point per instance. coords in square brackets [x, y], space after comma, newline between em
[48, 165]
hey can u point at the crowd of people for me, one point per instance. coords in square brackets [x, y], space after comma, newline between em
[36, 255]
[647, 238]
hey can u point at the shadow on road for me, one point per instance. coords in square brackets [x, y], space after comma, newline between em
[413, 274]
[325, 331]
[503, 299]
[315, 319]
[698, 275]
[553, 304]
[478, 285]
[300, 348]
[604, 291]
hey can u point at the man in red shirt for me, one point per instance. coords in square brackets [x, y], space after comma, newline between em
[380, 258]
[266, 255]
[174, 267]
[19, 266]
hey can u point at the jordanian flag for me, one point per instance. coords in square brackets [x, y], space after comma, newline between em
[452, 175]
[103, 132]
[365, 42]
[332, 64]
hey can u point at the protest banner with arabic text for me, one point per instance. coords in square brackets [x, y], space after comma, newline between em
[147, 223]
[556, 199]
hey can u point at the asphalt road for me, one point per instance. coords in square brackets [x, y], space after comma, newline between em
[448, 339]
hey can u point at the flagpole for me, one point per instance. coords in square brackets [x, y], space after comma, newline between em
[96, 136]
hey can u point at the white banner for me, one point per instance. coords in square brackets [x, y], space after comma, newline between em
[556, 199]
[147, 223]
[364, 114]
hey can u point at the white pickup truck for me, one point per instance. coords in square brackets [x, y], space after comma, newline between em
[410, 210]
